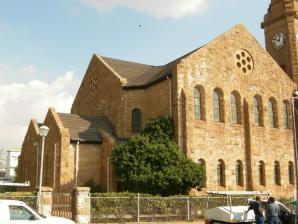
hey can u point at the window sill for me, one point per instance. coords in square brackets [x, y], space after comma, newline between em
[200, 121]
[237, 125]
[258, 127]
[218, 122]
[273, 128]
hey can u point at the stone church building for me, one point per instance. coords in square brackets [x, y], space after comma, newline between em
[230, 101]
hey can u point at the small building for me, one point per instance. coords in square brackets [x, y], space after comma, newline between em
[11, 164]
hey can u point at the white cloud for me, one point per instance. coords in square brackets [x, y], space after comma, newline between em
[29, 69]
[157, 8]
[19, 102]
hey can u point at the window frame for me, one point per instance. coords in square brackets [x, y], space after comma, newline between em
[136, 120]
[276, 175]
[262, 173]
[218, 106]
[285, 114]
[272, 113]
[197, 97]
[256, 113]
[239, 173]
[221, 178]
[291, 171]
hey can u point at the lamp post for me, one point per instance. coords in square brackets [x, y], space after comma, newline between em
[294, 98]
[43, 132]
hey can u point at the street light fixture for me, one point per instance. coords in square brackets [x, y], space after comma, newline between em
[43, 132]
[294, 98]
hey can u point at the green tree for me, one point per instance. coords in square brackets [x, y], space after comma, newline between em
[151, 162]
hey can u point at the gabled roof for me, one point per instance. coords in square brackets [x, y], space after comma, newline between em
[85, 128]
[141, 75]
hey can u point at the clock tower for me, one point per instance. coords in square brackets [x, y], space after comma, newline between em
[281, 35]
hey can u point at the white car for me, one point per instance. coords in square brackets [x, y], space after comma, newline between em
[17, 212]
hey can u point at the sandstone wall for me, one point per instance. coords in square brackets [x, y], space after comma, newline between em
[58, 156]
[27, 164]
[215, 66]
[153, 101]
[100, 93]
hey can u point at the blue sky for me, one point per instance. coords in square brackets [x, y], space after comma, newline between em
[45, 46]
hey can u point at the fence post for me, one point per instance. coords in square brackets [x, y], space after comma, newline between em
[138, 208]
[46, 201]
[187, 198]
[81, 205]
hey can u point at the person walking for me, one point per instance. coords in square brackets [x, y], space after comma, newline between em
[255, 205]
[272, 211]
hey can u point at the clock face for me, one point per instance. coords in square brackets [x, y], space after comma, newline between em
[278, 40]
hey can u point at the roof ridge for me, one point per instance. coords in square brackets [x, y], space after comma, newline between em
[133, 62]
[82, 115]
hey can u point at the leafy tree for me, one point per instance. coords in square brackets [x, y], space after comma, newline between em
[151, 162]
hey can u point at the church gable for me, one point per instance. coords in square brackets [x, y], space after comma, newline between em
[234, 55]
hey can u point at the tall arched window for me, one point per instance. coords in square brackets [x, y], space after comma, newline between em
[239, 173]
[202, 163]
[221, 173]
[262, 180]
[218, 106]
[199, 103]
[234, 113]
[276, 173]
[235, 108]
[136, 120]
[257, 111]
[285, 114]
[272, 112]
[291, 172]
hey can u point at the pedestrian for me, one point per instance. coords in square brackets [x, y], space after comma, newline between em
[255, 205]
[272, 211]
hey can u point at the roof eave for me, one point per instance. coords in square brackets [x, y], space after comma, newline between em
[85, 142]
[149, 84]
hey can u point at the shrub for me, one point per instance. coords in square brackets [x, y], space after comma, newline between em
[151, 162]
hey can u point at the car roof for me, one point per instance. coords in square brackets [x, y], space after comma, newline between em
[11, 202]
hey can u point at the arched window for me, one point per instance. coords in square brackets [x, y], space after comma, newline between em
[235, 108]
[285, 114]
[291, 172]
[136, 120]
[221, 173]
[276, 173]
[239, 173]
[234, 113]
[262, 180]
[272, 112]
[202, 163]
[257, 111]
[218, 106]
[199, 103]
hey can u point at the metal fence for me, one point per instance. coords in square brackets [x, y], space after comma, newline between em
[153, 209]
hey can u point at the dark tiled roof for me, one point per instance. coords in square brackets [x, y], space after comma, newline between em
[141, 75]
[85, 128]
